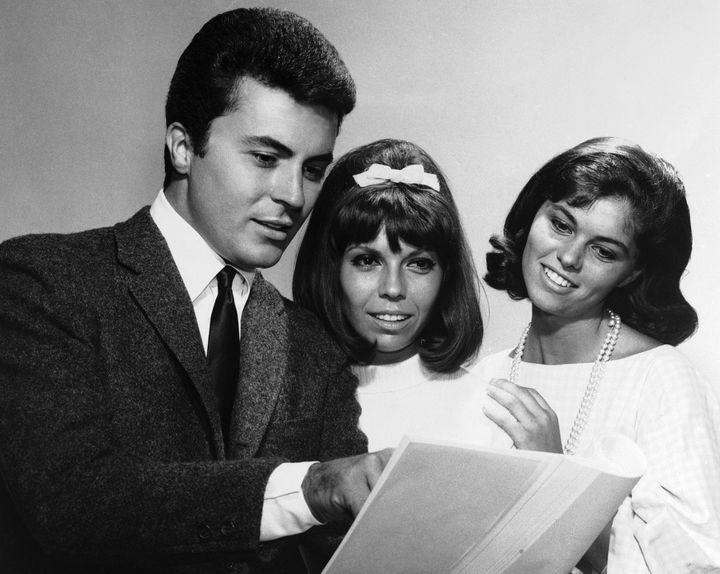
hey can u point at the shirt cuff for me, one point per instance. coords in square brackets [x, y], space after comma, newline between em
[285, 511]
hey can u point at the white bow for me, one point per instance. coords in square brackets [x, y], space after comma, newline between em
[415, 173]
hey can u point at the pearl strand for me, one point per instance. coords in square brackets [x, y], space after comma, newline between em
[591, 389]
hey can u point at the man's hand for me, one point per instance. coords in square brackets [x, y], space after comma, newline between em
[335, 490]
[525, 416]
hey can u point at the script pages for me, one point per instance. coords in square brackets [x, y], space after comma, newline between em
[464, 509]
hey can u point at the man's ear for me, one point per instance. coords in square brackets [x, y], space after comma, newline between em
[178, 144]
[630, 278]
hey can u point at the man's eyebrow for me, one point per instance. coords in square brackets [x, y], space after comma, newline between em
[323, 157]
[267, 141]
[271, 142]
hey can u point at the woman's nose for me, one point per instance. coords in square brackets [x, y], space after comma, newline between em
[570, 255]
[392, 284]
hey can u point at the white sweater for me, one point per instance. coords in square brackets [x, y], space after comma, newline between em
[407, 399]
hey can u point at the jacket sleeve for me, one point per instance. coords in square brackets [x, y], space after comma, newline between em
[341, 437]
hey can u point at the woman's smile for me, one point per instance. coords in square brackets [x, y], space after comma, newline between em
[557, 279]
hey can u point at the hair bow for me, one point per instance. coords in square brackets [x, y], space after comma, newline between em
[415, 173]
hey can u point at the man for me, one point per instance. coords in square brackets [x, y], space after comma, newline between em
[132, 438]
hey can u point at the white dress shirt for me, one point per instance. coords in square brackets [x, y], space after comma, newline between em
[285, 511]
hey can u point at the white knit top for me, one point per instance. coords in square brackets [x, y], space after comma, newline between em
[407, 399]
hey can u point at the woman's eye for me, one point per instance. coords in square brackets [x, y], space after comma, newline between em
[363, 261]
[604, 253]
[423, 264]
[560, 226]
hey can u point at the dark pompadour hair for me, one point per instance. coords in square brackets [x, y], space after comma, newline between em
[277, 48]
[347, 214]
[612, 167]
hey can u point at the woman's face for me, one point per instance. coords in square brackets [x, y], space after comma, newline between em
[574, 257]
[388, 297]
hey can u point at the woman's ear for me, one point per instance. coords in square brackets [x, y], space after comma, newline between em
[178, 144]
[630, 278]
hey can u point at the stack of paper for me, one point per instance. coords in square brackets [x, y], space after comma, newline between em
[462, 509]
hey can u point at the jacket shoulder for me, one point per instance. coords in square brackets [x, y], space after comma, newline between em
[305, 325]
[56, 253]
[77, 251]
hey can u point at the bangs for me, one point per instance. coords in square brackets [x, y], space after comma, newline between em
[575, 185]
[581, 189]
[584, 182]
[416, 215]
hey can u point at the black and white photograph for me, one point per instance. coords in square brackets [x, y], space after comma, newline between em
[359, 287]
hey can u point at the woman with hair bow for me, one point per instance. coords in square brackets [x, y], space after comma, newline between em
[598, 240]
[385, 265]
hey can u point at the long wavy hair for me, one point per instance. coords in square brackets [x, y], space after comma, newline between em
[611, 167]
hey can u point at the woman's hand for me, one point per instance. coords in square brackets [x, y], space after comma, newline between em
[524, 415]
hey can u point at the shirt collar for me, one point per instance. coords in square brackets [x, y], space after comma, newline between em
[197, 262]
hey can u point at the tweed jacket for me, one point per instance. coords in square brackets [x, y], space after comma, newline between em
[111, 453]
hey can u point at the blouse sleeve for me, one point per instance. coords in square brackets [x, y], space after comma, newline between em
[676, 505]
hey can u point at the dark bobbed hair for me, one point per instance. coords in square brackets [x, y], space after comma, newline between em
[612, 167]
[346, 214]
[275, 47]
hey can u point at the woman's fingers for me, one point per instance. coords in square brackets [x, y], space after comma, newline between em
[524, 415]
[513, 398]
[520, 401]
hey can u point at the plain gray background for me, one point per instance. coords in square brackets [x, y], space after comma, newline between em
[492, 89]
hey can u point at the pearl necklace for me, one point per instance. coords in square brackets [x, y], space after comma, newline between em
[591, 389]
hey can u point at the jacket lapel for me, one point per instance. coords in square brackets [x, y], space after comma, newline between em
[155, 283]
[263, 363]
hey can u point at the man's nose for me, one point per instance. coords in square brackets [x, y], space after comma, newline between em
[289, 189]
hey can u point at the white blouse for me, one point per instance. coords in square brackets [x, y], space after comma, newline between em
[670, 523]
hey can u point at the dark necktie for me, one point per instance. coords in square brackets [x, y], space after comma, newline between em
[223, 354]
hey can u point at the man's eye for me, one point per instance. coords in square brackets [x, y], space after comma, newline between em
[314, 172]
[264, 159]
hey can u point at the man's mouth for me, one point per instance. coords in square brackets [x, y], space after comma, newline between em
[275, 224]
[275, 229]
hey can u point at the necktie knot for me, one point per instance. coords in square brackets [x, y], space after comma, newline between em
[225, 280]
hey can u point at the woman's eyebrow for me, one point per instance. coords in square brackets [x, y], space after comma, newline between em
[603, 238]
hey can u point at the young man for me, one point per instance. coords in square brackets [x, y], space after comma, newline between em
[162, 407]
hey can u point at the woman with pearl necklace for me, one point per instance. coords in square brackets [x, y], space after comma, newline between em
[598, 240]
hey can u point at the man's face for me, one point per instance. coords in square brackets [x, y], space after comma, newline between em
[260, 175]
